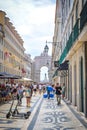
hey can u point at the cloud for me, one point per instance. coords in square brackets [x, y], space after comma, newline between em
[34, 21]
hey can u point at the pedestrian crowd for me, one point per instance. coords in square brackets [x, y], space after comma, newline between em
[8, 90]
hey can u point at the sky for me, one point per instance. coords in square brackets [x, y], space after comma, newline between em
[34, 22]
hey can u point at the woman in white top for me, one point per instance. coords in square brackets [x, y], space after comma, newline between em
[40, 88]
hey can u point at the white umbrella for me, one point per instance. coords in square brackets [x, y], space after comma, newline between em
[26, 79]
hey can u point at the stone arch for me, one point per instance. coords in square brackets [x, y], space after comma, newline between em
[39, 61]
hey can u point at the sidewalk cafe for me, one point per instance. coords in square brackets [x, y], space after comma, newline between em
[6, 84]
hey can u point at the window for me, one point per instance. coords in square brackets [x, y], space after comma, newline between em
[66, 37]
[72, 21]
[0, 67]
[0, 27]
[68, 31]
[1, 41]
[1, 54]
[77, 11]
[82, 3]
[69, 3]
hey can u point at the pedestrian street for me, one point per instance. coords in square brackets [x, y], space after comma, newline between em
[45, 115]
[50, 116]
[16, 122]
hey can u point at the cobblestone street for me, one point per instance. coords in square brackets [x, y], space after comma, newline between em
[50, 116]
[43, 64]
[16, 122]
[45, 115]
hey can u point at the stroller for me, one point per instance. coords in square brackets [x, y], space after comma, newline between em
[15, 112]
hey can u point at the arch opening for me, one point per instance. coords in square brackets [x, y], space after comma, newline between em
[44, 74]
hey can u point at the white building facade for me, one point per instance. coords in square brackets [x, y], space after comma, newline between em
[73, 14]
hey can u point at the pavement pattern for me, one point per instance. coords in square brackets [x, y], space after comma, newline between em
[45, 115]
[16, 122]
[50, 116]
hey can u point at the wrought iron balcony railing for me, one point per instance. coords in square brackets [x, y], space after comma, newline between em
[83, 16]
[73, 36]
[76, 29]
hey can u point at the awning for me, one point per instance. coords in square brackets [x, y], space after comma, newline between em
[63, 66]
[5, 75]
[61, 70]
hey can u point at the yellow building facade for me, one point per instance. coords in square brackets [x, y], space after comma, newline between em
[11, 47]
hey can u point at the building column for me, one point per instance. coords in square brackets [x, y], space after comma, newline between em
[70, 83]
[85, 110]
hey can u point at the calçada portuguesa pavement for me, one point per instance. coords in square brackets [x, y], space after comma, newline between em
[45, 115]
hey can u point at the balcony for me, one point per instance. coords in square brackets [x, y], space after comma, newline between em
[83, 16]
[76, 30]
[63, 55]
[73, 36]
[80, 23]
[67, 48]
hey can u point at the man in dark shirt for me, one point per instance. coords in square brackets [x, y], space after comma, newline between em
[58, 93]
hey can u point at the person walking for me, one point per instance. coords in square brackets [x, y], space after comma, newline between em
[63, 91]
[58, 90]
[28, 95]
[20, 94]
[49, 89]
[31, 86]
[40, 88]
[35, 88]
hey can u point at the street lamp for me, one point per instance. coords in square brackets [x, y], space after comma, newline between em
[59, 45]
[55, 43]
